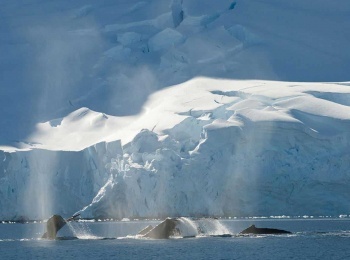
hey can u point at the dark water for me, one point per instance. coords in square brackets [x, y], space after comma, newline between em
[311, 239]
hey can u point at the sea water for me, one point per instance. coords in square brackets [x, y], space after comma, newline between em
[310, 239]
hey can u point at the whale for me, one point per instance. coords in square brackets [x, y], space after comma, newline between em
[145, 230]
[164, 230]
[54, 224]
[263, 231]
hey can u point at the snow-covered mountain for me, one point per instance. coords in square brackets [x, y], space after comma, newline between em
[179, 107]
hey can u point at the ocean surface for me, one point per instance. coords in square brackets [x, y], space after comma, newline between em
[323, 238]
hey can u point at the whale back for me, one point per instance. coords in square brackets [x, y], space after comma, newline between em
[163, 230]
[53, 225]
[254, 230]
[145, 230]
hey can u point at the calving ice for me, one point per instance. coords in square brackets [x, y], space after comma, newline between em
[141, 109]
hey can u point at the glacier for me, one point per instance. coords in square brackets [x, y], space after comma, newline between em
[207, 147]
[142, 109]
[246, 149]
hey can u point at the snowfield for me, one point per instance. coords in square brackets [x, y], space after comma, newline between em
[142, 109]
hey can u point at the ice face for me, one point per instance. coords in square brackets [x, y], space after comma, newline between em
[249, 155]
[36, 184]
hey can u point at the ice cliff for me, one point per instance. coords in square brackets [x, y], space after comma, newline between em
[239, 149]
[35, 184]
